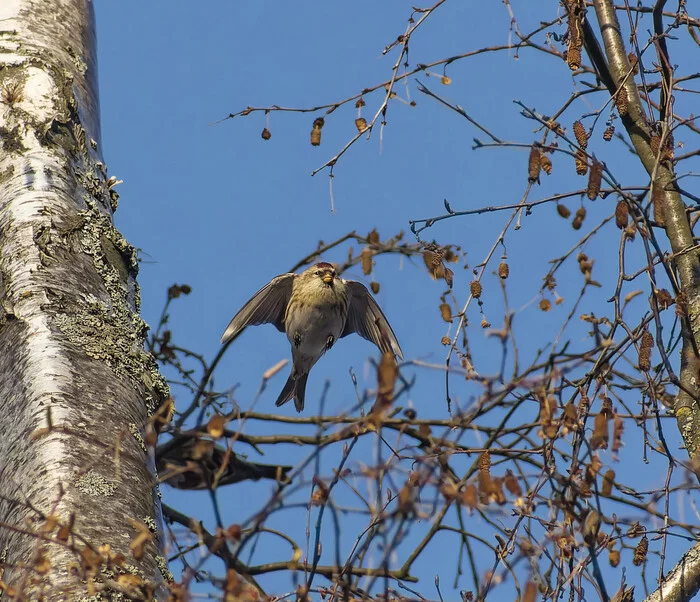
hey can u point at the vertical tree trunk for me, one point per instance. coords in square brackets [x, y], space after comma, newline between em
[76, 386]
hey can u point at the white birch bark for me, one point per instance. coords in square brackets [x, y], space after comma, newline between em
[76, 386]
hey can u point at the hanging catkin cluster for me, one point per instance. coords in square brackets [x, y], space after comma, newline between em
[575, 33]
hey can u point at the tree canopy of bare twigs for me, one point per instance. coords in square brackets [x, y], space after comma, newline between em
[556, 453]
[529, 477]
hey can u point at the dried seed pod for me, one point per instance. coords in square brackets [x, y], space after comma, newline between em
[640, 552]
[266, 135]
[445, 81]
[607, 136]
[594, 180]
[503, 270]
[581, 134]
[361, 124]
[622, 214]
[484, 478]
[475, 288]
[563, 210]
[645, 345]
[581, 162]
[545, 163]
[573, 58]
[545, 305]
[613, 557]
[485, 461]
[658, 199]
[319, 122]
[432, 260]
[374, 286]
[446, 312]
[608, 482]
[584, 264]
[533, 164]
[550, 282]
[655, 143]
[359, 103]
[577, 222]
[622, 102]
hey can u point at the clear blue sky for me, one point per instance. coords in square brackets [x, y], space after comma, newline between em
[215, 206]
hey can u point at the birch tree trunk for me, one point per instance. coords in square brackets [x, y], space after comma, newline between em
[76, 387]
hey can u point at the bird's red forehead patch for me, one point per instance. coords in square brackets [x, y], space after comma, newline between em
[325, 266]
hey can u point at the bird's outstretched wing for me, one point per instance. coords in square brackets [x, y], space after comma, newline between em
[366, 319]
[267, 306]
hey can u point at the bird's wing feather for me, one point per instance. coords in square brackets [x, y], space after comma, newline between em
[367, 319]
[267, 306]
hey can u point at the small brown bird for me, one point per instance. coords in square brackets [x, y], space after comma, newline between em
[315, 309]
[196, 462]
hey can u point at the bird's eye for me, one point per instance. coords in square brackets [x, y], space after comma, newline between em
[318, 272]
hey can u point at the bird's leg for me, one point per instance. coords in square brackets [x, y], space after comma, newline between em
[297, 339]
[330, 341]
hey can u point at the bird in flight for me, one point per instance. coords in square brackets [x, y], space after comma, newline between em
[315, 309]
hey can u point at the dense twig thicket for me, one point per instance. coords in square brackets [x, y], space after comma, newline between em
[536, 485]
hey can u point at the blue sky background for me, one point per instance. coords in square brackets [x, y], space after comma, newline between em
[215, 206]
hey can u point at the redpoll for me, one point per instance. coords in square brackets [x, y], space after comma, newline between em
[191, 462]
[315, 309]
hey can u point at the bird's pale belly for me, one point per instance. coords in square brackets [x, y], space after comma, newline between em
[318, 332]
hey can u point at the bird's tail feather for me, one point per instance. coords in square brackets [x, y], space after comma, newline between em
[295, 387]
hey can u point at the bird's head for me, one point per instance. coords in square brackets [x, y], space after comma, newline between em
[325, 271]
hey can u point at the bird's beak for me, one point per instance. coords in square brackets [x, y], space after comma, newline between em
[327, 278]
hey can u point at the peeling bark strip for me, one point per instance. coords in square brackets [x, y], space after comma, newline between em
[76, 386]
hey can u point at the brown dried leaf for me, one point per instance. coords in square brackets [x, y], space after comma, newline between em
[608, 482]
[469, 497]
[533, 164]
[512, 484]
[563, 211]
[600, 437]
[446, 312]
[618, 430]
